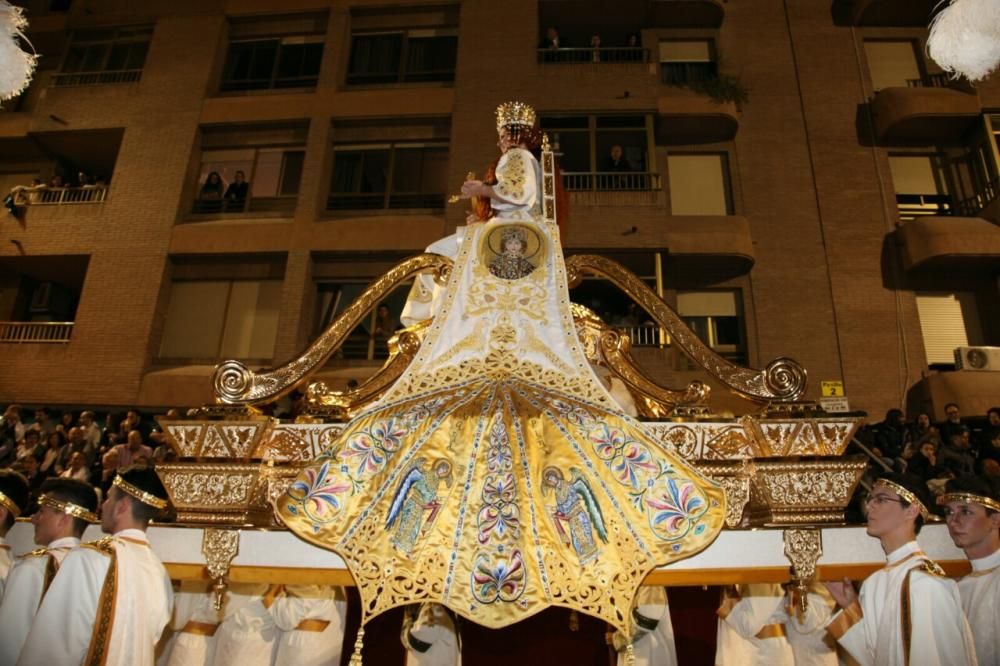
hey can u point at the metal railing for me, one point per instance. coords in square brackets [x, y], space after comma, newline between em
[279, 205]
[96, 78]
[971, 206]
[234, 85]
[35, 331]
[600, 55]
[59, 196]
[911, 206]
[940, 80]
[611, 181]
[646, 336]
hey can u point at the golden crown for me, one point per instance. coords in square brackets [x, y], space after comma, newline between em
[517, 114]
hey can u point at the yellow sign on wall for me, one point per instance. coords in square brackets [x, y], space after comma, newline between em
[832, 389]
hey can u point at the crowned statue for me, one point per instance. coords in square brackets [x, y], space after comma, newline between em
[497, 476]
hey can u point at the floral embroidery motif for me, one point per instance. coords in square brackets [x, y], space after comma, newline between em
[317, 493]
[499, 516]
[676, 507]
[500, 579]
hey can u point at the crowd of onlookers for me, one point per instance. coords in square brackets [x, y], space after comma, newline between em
[76, 445]
[936, 452]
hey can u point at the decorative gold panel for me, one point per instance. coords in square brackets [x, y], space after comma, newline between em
[799, 492]
[218, 493]
[217, 439]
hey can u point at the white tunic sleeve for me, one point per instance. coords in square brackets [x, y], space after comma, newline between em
[71, 605]
[757, 604]
[24, 590]
[517, 185]
[939, 632]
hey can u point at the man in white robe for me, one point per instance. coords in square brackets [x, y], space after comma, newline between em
[806, 629]
[430, 637]
[195, 624]
[752, 626]
[973, 514]
[13, 502]
[248, 635]
[653, 638]
[111, 598]
[312, 620]
[907, 613]
[65, 508]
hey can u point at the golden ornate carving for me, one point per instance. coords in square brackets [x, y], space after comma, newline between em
[236, 384]
[783, 379]
[217, 439]
[736, 480]
[803, 548]
[219, 548]
[807, 491]
[221, 491]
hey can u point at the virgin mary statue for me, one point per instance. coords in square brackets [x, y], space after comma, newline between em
[498, 477]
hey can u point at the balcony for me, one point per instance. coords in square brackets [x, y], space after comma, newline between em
[685, 116]
[60, 196]
[35, 331]
[894, 13]
[596, 56]
[938, 242]
[249, 207]
[613, 188]
[685, 14]
[925, 111]
[96, 78]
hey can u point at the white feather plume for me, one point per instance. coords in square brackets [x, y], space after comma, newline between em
[16, 65]
[965, 38]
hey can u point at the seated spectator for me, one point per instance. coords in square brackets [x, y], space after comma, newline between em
[134, 451]
[31, 445]
[53, 449]
[43, 422]
[65, 422]
[891, 435]
[989, 468]
[91, 433]
[955, 454]
[238, 189]
[77, 468]
[28, 467]
[616, 160]
[952, 422]
[109, 465]
[992, 429]
[924, 464]
[212, 188]
[11, 432]
[75, 444]
[552, 40]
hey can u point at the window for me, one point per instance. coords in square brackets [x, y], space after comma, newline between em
[108, 55]
[368, 340]
[213, 319]
[286, 62]
[686, 62]
[585, 147]
[699, 184]
[270, 159]
[388, 176]
[403, 57]
[948, 320]
[892, 63]
[919, 181]
[716, 317]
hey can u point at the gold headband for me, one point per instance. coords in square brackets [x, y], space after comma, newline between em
[68, 508]
[141, 495]
[970, 498]
[906, 495]
[8, 504]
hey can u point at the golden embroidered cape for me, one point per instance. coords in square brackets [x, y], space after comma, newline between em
[497, 476]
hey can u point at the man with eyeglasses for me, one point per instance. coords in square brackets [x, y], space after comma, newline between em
[972, 511]
[907, 613]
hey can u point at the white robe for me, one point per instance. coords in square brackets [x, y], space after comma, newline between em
[5, 563]
[301, 647]
[193, 603]
[980, 592]
[806, 633]
[757, 606]
[25, 587]
[142, 606]
[872, 630]
[434, 626]
[248, 635]
[655, 646]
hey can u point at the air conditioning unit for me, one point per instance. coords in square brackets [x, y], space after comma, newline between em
[978, 358]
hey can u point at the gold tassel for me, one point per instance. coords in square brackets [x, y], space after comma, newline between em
[629, 655]
[359, 643]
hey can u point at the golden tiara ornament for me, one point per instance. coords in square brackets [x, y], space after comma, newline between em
[141, 495]
[971, 498]
[68, 508]
[517, 114]
[9, 504]
[906, 495]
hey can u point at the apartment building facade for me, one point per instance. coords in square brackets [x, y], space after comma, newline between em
[801, 181]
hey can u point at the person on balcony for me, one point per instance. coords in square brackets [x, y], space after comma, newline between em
[237, 192]
[972, 512]
[212, 188]
[906, 612]
[86, 619]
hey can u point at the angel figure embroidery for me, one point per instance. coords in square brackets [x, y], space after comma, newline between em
[576, 513]
[511, 263]
[415, 497]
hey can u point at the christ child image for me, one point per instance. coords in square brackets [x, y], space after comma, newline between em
[511, 264]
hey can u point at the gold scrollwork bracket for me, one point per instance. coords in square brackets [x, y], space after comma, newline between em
[236, 384]
[783, 380]
[219, 546]
[803, 548]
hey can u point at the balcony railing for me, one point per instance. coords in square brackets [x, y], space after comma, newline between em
[33, 331]
[611, 181]
[971, 206]
[234, 85]
[283, 206]
[59, 196]
[96, 78]
[646, 336]
[687, 73]
[941, 80]
[911, 206]
[599, 55]
[380, 200]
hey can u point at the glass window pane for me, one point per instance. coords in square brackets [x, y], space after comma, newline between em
[375, 58]
[575, 149]
[431, 58]
[267, 173]
[137, 56]
[727, 331]
[93, 57]
[891, 63]
[698, 185]
[251, 319]
[291, 173]
[915, 174]
[194, 320]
